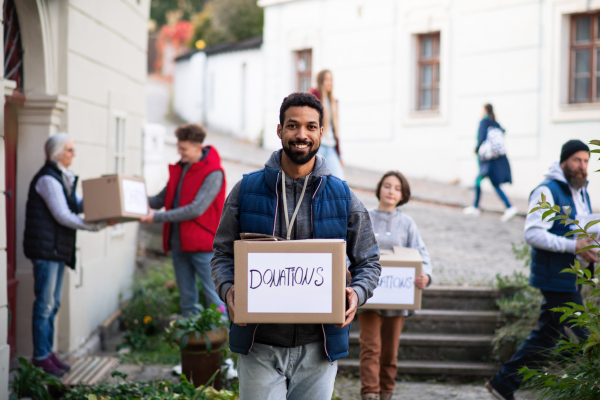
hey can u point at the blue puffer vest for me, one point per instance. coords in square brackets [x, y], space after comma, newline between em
[546, 265]
[258, 200]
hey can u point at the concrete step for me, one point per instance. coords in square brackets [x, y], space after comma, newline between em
[460, 298]
[438, 368]
[453, 321]
[437, 347]
[449, 321]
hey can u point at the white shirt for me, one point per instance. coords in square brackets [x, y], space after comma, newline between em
[536, 231]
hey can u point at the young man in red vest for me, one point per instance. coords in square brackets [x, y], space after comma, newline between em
[193, 200]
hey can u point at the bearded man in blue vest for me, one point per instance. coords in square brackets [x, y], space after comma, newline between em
[565, 185]
[294, 361]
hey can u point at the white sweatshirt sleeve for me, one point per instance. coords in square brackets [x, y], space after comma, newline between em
[536, 231]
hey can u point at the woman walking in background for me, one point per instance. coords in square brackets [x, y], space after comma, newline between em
[492, 162]
[330, 144]
[380, 329]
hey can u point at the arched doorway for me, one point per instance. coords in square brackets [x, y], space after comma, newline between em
[13, 67]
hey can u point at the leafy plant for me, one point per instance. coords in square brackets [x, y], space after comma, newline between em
[154, 299]
[154, 390]
[522, 252]
[156, 352]
[574, 372]
[519, 305]
[31, 381]
[206, 319]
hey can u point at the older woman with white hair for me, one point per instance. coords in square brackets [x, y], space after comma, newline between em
[51, 222]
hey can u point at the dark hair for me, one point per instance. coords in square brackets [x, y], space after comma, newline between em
[190, 133]
[489, 109]
[301, 100]
[405, 190]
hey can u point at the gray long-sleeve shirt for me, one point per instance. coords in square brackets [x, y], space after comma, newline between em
[394, 228]
[205, 196]
[53, 194]
[361, 248]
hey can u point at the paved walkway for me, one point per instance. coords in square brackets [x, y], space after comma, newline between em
[349, 389]
[235, 150]
[465, 250]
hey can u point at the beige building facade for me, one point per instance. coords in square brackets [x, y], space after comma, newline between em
[76, 66]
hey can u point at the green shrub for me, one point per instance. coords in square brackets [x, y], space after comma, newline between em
[519, 305]
[149, 391]
[30, 381]
[574, 369]
[154, 299]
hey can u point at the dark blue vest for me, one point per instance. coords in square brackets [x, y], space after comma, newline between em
[546, 265]
[44, 237]
[258, 201]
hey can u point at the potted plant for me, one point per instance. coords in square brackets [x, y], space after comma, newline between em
[200, 337]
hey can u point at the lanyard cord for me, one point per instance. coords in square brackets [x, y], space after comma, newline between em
[289, 224]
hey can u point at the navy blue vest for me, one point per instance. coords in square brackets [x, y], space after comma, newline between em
[258, 201]
[546, 265]
[44, 237]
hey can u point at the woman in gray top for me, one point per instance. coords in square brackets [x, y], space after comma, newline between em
[380, 329]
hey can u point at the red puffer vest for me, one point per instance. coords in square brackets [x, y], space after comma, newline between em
[197, 234]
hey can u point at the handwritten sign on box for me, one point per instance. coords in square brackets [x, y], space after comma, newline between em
[296, 281]
[134, 197]
[396, 289]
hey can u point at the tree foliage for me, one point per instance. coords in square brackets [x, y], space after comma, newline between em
[215, 21]
[160, 8]
[228, 21]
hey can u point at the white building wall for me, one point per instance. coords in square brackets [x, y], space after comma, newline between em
[189, 89]
[234, 93]
[100, 54]
[513, 54]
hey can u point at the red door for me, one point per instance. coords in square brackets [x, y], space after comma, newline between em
[10, 155]
[13, 70]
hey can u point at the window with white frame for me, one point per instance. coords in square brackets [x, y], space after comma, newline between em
[118, 161]
[119, 150]
[585, 58]
[303, 70]
[428, 71]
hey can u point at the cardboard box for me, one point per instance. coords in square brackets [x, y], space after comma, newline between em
[296, 281]
[114, 197]
[396, 289]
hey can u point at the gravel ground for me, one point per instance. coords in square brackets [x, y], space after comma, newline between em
[349, 389]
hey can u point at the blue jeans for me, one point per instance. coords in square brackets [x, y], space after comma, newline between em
[333, 160]
[187, 266]
[280, 373]
[48, 279]
[534, 350]
[498, 191]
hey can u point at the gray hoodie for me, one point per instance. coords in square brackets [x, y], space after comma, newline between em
[361, 248]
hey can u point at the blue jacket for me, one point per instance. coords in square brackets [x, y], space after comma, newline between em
[498, 169]
[258, 200]
[546, 265]
[330, 209]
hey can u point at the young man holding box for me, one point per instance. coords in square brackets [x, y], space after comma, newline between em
[295, 361]
[193, 199]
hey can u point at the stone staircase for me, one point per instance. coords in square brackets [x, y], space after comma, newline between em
[450, 336]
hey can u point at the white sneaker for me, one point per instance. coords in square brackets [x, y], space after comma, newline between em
[471, 210]
[509, 213]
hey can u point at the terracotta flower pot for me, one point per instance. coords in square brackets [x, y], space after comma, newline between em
[196, 365]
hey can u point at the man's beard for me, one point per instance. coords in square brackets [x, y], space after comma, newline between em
[577, 178]
[300, 159]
